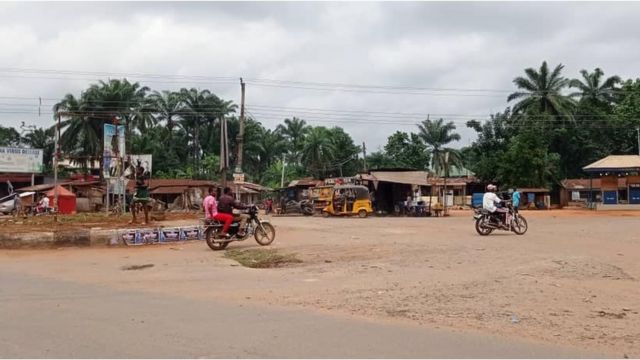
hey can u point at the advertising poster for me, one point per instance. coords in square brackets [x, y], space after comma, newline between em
[169, 234]
[145, 161]
[113, 149]
[149, 236]
[190, 233]
[130, 237]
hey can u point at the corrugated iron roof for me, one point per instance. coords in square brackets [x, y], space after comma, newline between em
[585, 184]
[186, 183]
[533, 190]
[402, 177]
[305, 182]
[615, 163]
[42, 187]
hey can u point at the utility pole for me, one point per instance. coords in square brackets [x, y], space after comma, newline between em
[283, 166]
[240, 138]
[364, 155]
[55, 170]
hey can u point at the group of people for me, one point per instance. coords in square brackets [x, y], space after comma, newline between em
[490, 200]
[220, 207]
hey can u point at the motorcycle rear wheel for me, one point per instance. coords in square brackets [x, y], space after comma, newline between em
[520, 225]
[481, 230]
[215, 246]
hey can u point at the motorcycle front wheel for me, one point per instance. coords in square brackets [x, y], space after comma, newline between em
[216, 246]
[264, 234]
[480, 229]
[520, 225]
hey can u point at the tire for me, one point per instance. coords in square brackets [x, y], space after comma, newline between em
[215, 246]
[262, 238]
[520, 225]
[482, 231]
[362, 214]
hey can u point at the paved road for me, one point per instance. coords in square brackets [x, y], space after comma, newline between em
[51, 318]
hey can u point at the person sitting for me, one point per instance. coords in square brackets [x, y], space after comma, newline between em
[489, 201]
[226, 206]
[43, 205]
[210, 206]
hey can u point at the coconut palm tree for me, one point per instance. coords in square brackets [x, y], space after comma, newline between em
[294, 130]
[541, 91]
[592, 88]
[436, 135]
[81, 131]
[318, 150]
[168, 107]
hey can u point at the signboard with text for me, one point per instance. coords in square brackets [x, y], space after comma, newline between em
[20, 160]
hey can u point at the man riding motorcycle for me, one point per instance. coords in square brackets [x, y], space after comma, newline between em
[489, 201]
[227, 203]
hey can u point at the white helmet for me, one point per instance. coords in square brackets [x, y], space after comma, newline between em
[491, 187]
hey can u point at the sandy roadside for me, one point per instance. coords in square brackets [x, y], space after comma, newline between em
[572, 279]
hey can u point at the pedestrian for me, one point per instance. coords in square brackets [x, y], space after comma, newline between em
[515, 199]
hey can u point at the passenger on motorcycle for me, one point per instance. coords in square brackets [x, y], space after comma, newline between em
[211, 212]
[489, 201]
[226, 206]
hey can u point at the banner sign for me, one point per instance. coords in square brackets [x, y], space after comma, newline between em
[150, 236]
[20, 160]
[113, 149]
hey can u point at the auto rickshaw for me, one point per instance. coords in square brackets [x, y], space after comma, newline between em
[349, 200]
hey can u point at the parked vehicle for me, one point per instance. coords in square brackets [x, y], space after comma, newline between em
[304, 207]
[262, 231]
[8, 203]
[349, 200]
[487, 222]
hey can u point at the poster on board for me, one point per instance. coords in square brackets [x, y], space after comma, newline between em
[113, 150]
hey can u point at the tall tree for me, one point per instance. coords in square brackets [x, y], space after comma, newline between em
[318, 151]
[591, 88]
[437, 135]
[407, 151]
[295, 131]
[541, 91]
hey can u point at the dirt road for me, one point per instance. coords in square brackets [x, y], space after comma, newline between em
[570, 281]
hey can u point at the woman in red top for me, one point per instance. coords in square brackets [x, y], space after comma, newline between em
[211, 212]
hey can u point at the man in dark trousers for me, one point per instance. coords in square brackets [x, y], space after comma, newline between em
[227, 203]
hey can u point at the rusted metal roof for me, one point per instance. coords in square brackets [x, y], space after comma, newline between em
[42, 187]
[615, 163]
[309, 182]
[585, 184]
[401, 177]
[533, 190]
[185, 183]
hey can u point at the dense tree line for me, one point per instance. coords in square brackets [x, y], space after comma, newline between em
[554, 126]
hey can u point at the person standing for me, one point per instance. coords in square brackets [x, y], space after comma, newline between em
[515, 200]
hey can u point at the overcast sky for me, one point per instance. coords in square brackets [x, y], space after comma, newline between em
[426, 45]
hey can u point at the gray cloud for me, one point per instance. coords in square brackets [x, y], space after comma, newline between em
[433, 45]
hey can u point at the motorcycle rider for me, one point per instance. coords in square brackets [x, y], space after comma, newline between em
[226, 205]
[210, 206]
[489, 201]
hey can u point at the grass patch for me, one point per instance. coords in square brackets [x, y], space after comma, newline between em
[262, 258]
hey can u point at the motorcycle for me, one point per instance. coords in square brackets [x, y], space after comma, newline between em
[487, 222]
[263, 232]
[303, 207]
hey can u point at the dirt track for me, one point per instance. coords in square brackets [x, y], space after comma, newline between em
[572, 279]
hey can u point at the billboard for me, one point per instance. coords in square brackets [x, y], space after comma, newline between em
[20, 160]
[145, 161]
[113, 149]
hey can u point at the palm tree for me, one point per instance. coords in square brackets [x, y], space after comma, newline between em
[294, 130]
[541, 91]
[436, 135]
[42, 139]
[81, 131]
[167, 107]
[591, 87]
[318, 150]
